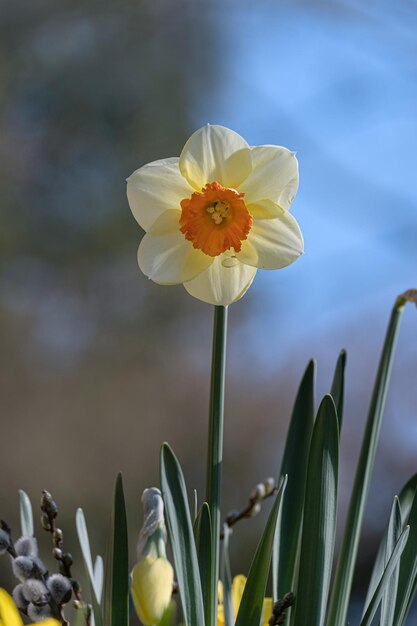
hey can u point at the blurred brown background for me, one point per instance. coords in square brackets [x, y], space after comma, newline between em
[99, 365]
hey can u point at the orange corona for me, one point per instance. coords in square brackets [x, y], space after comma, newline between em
[215, 219]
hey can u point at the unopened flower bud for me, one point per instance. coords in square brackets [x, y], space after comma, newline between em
[269, 484]
[26, 546]
[254, 510]
[57, 554]
[22, 567]
[19, 598]
[4, 541]
[58, 536]
[60, 588]
[48, 504]
[35, 591]
[152, 588]
[38, 613]
[46, 524]
[67, 558]
[38, 566]
[258, 492]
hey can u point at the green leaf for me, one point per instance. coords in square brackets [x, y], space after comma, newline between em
[116, 600]
[202, 534]
[26, 514]
[95, 585]
[342, 585]
[385, 579]
[319, 523]
[407, 582]
[226, 577]
[406, 498]
[180, 529]
[251, 606]
[294, 465]
[395, 528]
[338, 387]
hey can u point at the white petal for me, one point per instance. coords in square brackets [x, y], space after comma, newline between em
[274, 176]
[264, 209]
[155, 188]
[166, 256]
[221, 285]
[272, 244]
[215, 153]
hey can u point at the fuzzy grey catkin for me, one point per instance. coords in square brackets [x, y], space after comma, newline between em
[39, 613]
[23, 567]
[26, 546]
[35, 591]
[60, 588]
[18, 597]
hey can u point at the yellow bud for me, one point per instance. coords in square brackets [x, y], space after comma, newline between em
[152, 588]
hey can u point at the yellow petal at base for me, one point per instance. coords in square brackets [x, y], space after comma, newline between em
[220, 285]
[238, 586]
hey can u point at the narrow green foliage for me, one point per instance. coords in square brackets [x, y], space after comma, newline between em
[80, 617]
[26, 514]
[180, 530]
[294, 465]
[345, 566]
[319, 523]
[338, 387]
[226, 578]
[116, 600]
[407, 583]
[385, 579]
[390, 592]
[406, 498]
[202, 534]
[250, 610]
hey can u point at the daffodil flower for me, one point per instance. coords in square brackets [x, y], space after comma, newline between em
[238, 585]
[9, 615]
[216, 214]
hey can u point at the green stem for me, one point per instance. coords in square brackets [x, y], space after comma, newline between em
[215, 449]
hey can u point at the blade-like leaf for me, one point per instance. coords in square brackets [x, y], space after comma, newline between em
[395, 528]
[407, 582]
[227, 579]
[294, 465]
[389, 570]
[338, 387]
[406, 500]
[26, 514]
[319, 522]
[202, 533]
[342, 585]
[80, 618]
[182, 539]
[251, 606]
[116, 600]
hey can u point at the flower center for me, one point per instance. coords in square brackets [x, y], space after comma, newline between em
[215, 219]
